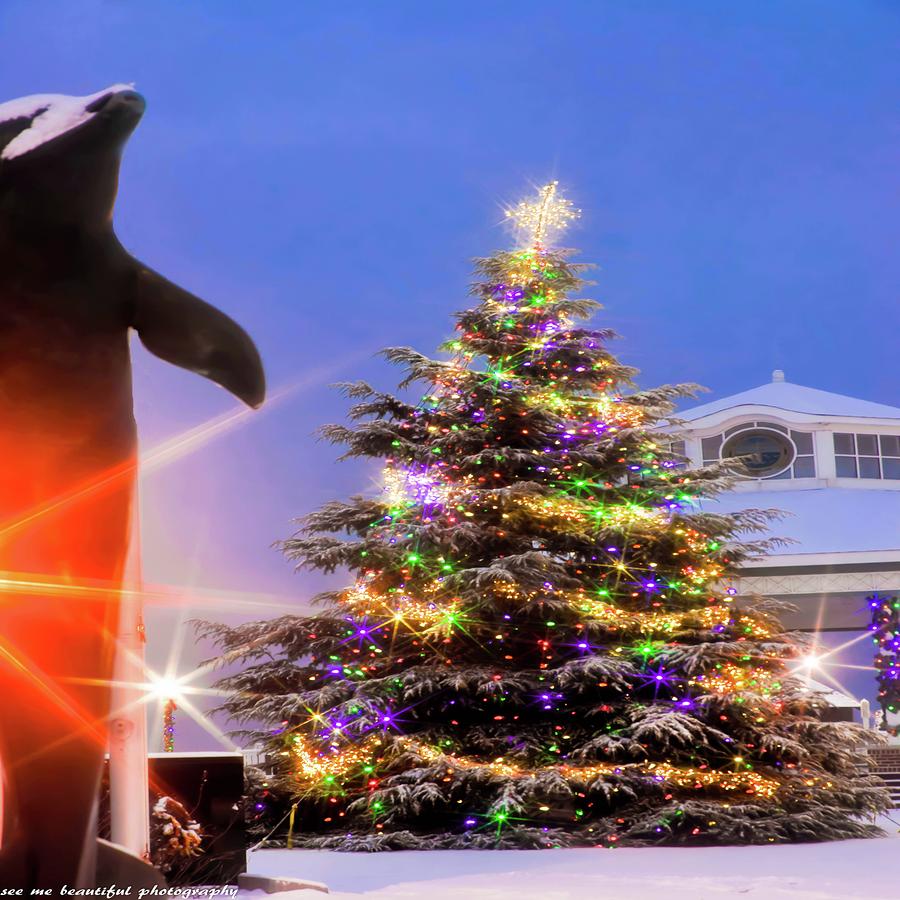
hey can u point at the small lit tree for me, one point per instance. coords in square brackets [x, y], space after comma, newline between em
[538, 648]
[886, 637]
[175, 838]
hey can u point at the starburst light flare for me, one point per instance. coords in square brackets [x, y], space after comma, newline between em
[543, 219]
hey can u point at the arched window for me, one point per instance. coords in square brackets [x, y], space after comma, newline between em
[763, 451]
[769, 450]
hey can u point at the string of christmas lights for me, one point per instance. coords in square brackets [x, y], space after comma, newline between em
[169, 726]
[325, 772]
[442, 613]
[885, 629]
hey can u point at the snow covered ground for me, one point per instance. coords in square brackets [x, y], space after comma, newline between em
[829, 871]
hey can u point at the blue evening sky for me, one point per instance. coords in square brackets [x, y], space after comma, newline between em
[323, 171]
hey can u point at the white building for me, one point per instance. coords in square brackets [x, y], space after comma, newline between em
[832, 463]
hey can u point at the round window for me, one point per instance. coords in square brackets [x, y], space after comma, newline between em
[762, 451]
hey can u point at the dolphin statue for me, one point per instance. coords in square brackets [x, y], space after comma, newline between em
[69, 296]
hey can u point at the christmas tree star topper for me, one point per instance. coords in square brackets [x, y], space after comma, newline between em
[545, 217]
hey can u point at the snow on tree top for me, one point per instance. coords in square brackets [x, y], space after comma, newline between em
[52, 115]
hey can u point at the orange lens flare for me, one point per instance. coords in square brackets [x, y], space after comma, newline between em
[49, 688]
[163, 454]
[89, 572]
[160, 595]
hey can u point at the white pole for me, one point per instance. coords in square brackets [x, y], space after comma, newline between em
[864, 713]
[129, 803]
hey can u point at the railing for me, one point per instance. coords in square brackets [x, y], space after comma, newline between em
[884, 761]
[254, 756]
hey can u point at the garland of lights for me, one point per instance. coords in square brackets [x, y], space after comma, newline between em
[401, 608]
[728, 678]
[606, 414]
[438, 614]
[319, 773]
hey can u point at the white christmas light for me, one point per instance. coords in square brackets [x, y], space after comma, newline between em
[543, 218]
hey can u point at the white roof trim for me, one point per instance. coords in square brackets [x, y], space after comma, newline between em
[831, 695]
[788, 417]
[822, 583]
[795, 399]
[846, 557]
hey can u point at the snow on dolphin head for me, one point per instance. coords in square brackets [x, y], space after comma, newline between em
[31, 122]
[59, 155]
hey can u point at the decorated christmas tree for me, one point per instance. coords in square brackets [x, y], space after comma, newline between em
[538, 646]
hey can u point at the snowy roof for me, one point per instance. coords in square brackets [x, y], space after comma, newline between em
[827, 520]
[831, 695]
[780, 394]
